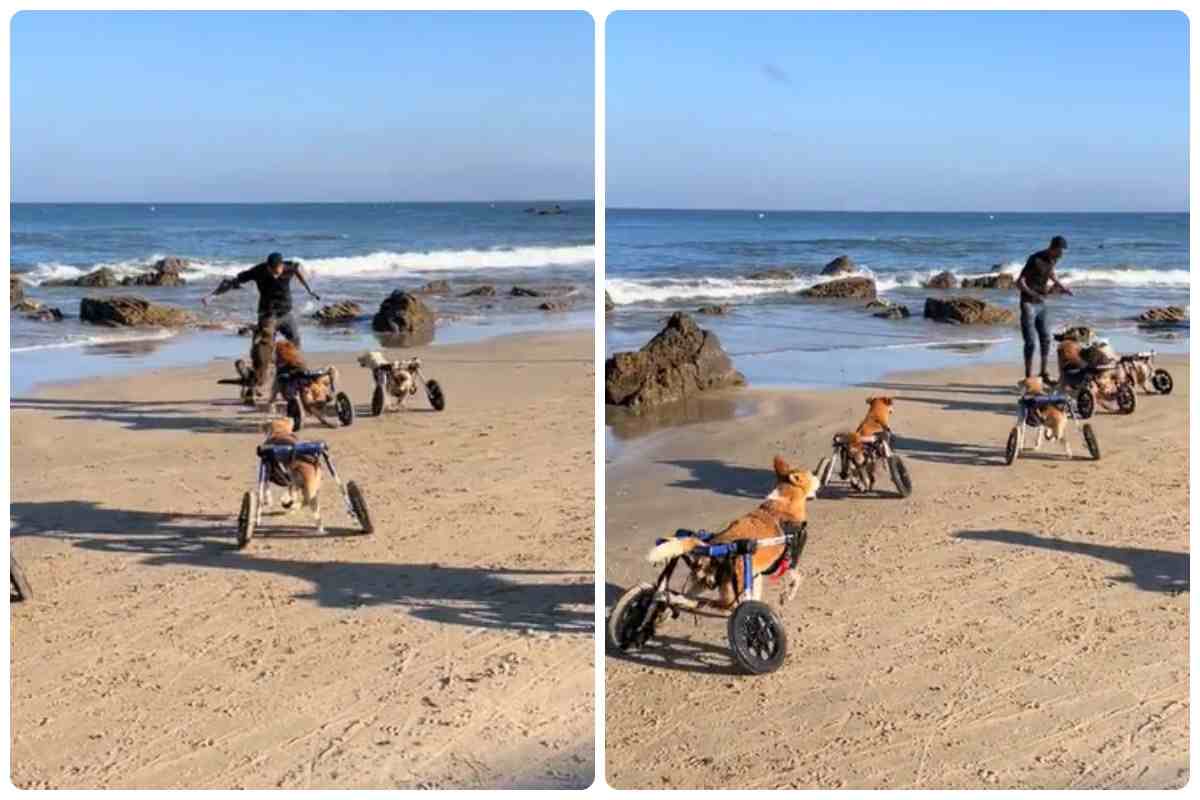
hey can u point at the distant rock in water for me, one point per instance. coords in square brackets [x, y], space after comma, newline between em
[681, 360]
[16, 290]
[843, 288]
[966, 311]
[715, 310]
[165, 272]
[1000, 281]
[339, 313]
[403, 314]
[480, 291]
[103, 278]
[435, 287]
[839, 266]
[943, 280]
[609, 305]
[555, 305]
[130, 311]
[32, 309]
[886, 310]
[1163, 316]
[172, 265]
[771, 275]
[521, 291]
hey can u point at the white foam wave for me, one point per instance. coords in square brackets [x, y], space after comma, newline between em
[86, 341]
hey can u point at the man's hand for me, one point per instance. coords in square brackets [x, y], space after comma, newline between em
[315, 296]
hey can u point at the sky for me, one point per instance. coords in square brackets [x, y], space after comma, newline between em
[260, 107]
[898, 112]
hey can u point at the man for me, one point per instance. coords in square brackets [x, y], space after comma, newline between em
[273, 278]
[1034, 283]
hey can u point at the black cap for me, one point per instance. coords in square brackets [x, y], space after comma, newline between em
[1058, 243]
[275, 259]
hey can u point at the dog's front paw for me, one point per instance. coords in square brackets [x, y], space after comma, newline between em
[791, 585]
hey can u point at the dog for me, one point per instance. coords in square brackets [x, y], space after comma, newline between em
[403, 384]
[1054, 420]
[302, 477]
[877, 420]
[314, 394]
[788, 503]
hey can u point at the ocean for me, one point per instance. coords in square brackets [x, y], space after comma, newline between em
[352, 251]
[660, 261]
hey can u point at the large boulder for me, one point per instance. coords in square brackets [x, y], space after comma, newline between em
[338, 313]
[480, 291]
[130, 311]
[966, 311]
[609, 305]
[16, 290]
[943, 280]
[843, 288]
[103, 278]
[1164, 316]
[839, 266]
[999, 281]
[172, 265]
[404, 314]
[681, 360]
[771, 275]
[165, 272]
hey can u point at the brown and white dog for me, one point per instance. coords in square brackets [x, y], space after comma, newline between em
[403, 384]
[315, 394]
[305, 474]
[787, 504]
[1054, 420]
[877, 420]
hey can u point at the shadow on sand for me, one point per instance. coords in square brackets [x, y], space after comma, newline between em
[194, 416]
[710, 475]
[477, 597]
[674, 652]
[1149, 570]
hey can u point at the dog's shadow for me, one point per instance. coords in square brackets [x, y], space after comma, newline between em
[710, 475]
[673, 652]
[958, 453]
[161, 415]
[526, 600]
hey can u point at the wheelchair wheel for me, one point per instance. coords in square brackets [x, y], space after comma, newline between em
[626, 630]
[358, 504]
[378, 400]
[1126, 399]
[1086, 403]
[296, 412]
[18, 585]
[900, 476]
[437, 398]
[1162, 381]
[1089, 437]
[757, 638]
[824, 472]
[345, 409]
[247, 519]
[1010, 449]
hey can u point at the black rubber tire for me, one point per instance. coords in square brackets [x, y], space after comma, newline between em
[1085, 403]
[377, 400]
[437, 397]
[1089, 438]
[824, 472]
[247, 518]
[345, 409]
[296, 412]
[1126, 398]
[625, 631]
[900, 476]
[1162, 381]
[359, 504]
[18, 584]
[757, 638]
[1010, 449]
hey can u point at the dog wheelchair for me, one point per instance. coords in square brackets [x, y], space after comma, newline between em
[275, 466]
[1029, 415]
[18, 585]
[291, 383]
[876, 449]
[757, 638]
[387, 382]
[1160, 379]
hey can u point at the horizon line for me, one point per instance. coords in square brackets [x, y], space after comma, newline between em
[591, 200]
[885, 211]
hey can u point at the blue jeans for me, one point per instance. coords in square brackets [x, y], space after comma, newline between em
[1033, 325]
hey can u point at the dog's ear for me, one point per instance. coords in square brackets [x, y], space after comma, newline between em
[782, 470]
[870, 400]
[887, 401]
[796, 478]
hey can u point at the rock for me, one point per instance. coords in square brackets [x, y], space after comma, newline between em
[943, 280]
[402, 313]
[1000, 281]
[555, 305]
[771, 275]
[1165, 316]
[16, 290]
[885, 310]
[154, 279]
[25, 305]
[681, 360]
[966, 311]
[521, 291]
[715, 310]
[480, 291]
[839, 266]
[609, 305]
[103, 278]
[861, 288]
[338, 313]
[435, 287]
[171, 265]
[45, 314]
[127, 310]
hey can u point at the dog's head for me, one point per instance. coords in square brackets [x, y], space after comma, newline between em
[880, 409]
[278, 428]
[1080, 333]
[372, 360]
[793, 487]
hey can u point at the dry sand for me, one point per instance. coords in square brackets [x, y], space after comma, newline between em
[453, 648]
[1022, 626]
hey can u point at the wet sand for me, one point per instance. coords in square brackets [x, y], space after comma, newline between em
[1004, 627]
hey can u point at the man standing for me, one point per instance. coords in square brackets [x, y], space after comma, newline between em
[273, 278]
[1034, 284]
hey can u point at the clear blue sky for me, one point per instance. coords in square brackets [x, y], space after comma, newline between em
[305, 107]
[898, 111]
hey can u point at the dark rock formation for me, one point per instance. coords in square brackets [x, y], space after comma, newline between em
[885, 310]
[480, 291]
[555, 305]
[1163, 316]
[521, 291]
[16, 290]
[943, 280]
[715, 310]
[839, 266]
[771, 275]
[435, 287]
[103, 278]
[843, 288]
[1001, 281]
[339, 313]
[609, 305]
[402, 313]
[127, 310]
[966, 311]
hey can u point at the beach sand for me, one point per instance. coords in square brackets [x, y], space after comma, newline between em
[1022, 626]
[452, 648]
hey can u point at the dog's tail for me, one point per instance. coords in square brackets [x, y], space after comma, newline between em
[672, 548]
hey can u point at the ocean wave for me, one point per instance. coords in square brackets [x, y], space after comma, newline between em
[372, 265]
[86, 341]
